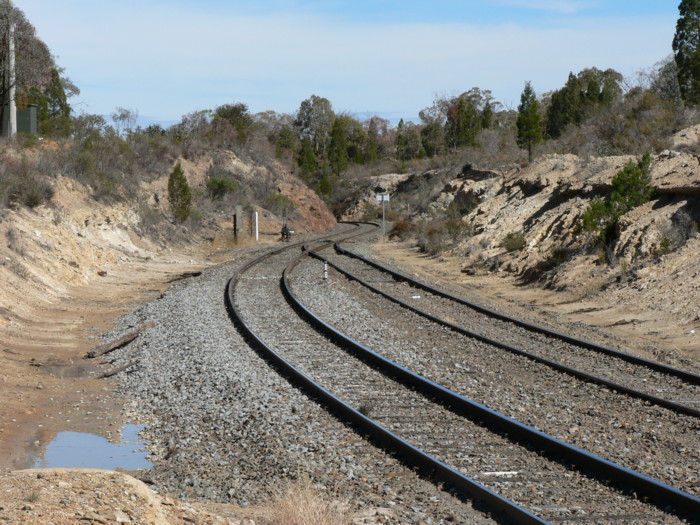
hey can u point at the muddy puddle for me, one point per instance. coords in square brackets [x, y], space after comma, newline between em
[85, 450]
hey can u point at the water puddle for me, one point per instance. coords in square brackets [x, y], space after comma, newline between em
[83, 450]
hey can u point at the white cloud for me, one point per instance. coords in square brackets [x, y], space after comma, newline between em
[169, 61]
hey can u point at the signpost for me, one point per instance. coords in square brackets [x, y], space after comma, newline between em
[383, 197]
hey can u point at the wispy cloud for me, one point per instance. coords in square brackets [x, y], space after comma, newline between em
[569, 7]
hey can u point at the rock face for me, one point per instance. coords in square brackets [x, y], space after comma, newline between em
[651, 265]
[546, 200]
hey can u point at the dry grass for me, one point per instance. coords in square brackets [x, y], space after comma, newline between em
[302, 504]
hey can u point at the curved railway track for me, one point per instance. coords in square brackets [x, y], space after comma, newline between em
[673, 388]
[429, 427]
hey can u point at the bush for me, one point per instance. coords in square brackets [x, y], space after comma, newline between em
[557, 256]
[514, 241]
[631, 187]
[401, 230]
[438, 235]
[278, 203]
[219, 187]
[179, 193]
[20, 186]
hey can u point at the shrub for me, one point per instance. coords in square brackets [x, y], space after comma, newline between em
[219, 187]
[303, 504]
[558, 255]
[514, 241]
[401, 230]
[437, 235]
[631, 187]
[30, 192]
[21, 186]
[371, 212]
[179, 193]
[278, 203]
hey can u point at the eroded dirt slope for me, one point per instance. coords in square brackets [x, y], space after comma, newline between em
[646, 283]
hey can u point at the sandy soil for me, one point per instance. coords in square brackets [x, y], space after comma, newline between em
[47, 385]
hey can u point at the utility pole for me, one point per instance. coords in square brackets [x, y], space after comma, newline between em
[12, 130]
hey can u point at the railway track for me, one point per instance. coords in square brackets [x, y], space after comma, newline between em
[518, 478]
[654, 440]
[673, 388]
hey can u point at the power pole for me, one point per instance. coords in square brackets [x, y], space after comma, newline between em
[12, 131]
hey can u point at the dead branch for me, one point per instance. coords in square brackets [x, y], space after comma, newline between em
[115, 371]
[114, 345]
[184, 275]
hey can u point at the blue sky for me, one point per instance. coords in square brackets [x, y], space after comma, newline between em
[165, 59]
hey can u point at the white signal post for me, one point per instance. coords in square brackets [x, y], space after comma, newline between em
[257, 234]
[383, 198]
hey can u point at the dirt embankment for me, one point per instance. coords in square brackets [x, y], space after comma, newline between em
[644, 284]
[67, 270]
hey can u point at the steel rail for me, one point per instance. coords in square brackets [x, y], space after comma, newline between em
[654, 365]
[580, 374]
[626, 479]
[395, 445]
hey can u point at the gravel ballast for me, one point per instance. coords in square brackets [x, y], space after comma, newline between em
[224, 426]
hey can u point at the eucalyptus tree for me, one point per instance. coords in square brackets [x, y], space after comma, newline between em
[35, 67]
[313, 121]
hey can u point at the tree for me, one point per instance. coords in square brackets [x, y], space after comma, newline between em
[377, 138]
[529, 122]
[306, 160]
[313, 121]
[432, 137]
[338, 151]
[582, 93]
[238, 117]
[324, 186]
[664, 81]
[686, 50]
[463, 122]
[53, 111]
[124, 120]
[34, 64]
[179, 193]
[284, 141]
[408, 141]
[193, 126]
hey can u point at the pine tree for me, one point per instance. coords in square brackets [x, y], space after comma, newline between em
[338, 150]
[529, 122]
[686, 50]
[306, 160]
[179, 193]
